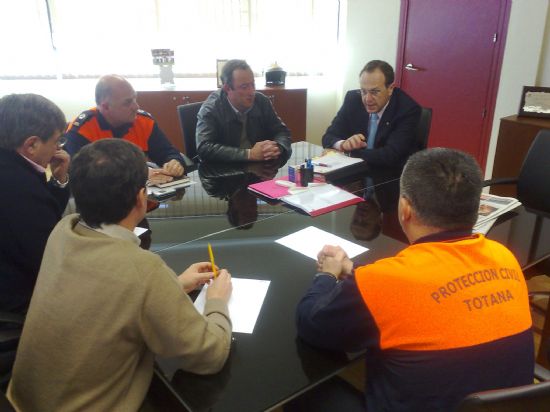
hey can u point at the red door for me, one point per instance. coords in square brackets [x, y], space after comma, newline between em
[449, 59]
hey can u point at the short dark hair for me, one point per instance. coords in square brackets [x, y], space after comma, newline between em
[26, 115]
[384, 67]
[443, 186]
[228, 69]
[106, 177]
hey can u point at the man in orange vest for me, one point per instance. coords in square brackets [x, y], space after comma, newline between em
[118, 115]
[446, 317]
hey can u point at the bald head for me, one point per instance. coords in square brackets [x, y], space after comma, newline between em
[116, 100]
[105, 86]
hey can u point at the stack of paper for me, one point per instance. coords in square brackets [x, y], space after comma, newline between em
[317, 200]
[332, 161]
[180, 182]
[491, 207]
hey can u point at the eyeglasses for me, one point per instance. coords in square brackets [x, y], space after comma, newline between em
[61, 142]
[372, 92]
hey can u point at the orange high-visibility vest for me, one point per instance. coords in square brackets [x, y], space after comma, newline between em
[445, 295]
[88, 126]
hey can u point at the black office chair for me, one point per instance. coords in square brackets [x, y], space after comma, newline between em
[11, 325]
[535, 397]
[5, 405]
[533, 189]
[423, 128]
[188, 121]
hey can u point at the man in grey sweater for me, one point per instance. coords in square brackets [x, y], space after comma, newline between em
[103, 307]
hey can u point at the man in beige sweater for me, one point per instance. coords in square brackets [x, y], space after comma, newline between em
[103, 308]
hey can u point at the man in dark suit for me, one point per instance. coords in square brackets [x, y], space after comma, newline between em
[30, 131]
[376, 122]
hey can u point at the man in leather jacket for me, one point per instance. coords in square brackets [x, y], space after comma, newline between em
[237, 123]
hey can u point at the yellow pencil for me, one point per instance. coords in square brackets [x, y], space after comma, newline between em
[212, 261]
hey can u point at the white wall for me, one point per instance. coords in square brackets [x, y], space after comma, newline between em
[370, 32]
[543, 78]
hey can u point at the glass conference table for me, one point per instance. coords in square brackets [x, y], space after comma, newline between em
[271, 365]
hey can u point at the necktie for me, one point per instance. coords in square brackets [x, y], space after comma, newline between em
[373, 125]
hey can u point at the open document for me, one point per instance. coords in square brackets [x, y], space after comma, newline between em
[310, 241]
[332, 161]
[317, 200]
[245, 303]
[491, 207]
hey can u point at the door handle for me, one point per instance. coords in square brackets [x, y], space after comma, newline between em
[411, 67]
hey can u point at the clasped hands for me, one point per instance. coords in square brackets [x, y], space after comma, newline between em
[335, 261]
[357, 141]
[202, 273]
[264, 150]
[171, 169]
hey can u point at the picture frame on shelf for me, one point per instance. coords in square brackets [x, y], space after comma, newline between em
[535, 102]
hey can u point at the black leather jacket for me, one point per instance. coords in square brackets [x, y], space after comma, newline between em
[219, 129]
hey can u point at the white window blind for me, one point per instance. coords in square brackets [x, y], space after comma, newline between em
[26, 48]
[116, 36]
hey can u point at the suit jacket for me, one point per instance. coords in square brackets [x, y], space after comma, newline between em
[30, 209]
[395, 137]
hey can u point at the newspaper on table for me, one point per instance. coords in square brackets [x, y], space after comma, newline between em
[491, 207]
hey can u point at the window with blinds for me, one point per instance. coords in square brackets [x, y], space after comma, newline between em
[77, 38]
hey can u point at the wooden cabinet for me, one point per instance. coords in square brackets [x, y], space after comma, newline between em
[290, 104]
[515, 136]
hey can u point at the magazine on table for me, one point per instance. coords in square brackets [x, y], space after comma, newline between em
[491, 207]
[179, 182]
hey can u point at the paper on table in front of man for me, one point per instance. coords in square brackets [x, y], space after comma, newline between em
[310, 241]
[333, 160]
[245, 303]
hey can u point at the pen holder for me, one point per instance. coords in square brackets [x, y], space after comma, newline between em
[306, 176]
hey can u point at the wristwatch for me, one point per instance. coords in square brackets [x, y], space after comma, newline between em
[57, 183]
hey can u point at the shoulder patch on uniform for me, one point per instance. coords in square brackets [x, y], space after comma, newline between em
[82, 118]
[144, 113]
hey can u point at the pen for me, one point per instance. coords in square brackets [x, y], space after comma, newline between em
[319, 164]
[212, 261]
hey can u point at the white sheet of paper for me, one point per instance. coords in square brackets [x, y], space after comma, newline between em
[245, 303]
[138, 231]
[310, 241]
